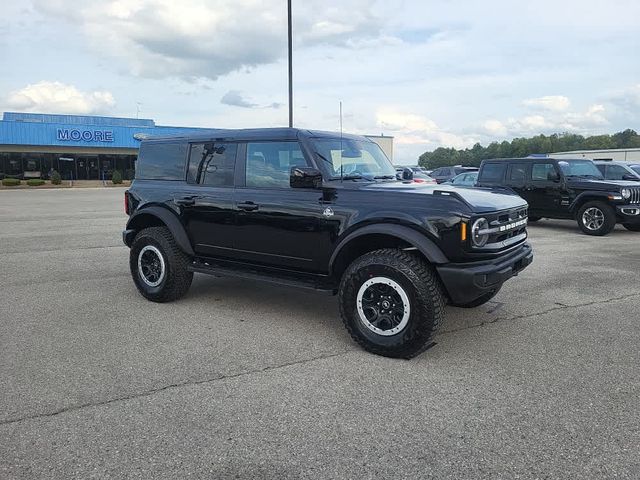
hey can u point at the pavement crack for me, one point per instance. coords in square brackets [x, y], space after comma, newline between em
[560, 306]
[148, 393]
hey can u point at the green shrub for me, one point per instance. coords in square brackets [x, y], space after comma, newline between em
[116, 178]
[56, 179]
[35, 182]
[10, 182]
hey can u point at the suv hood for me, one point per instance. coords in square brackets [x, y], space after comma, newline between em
[607, 185]
[480, 200]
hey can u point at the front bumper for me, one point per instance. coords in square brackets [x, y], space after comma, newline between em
[628, 214]
[466, 282]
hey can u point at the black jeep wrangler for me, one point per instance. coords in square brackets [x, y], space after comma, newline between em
[322, 211]
[569, 189]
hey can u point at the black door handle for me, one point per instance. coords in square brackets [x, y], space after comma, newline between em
[185, 201]
[248, 206]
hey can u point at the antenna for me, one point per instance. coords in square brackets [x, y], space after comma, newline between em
[341, 141]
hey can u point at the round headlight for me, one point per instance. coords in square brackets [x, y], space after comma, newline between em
[626, 193]
[478, 239]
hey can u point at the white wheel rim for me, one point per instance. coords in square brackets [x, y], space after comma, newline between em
[383, 306]
[151, 267]
[593, 218]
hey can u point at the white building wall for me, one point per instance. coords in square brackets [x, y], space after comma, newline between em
[621, 155]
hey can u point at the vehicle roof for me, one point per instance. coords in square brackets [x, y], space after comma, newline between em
[533, 159]
[255, 134]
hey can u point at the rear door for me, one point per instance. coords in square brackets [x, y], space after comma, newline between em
[277, 225]
[207, 201]
[518, 174]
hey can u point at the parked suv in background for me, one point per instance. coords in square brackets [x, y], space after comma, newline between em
[320, 211]
[618, 170]
[444, 174]
[567, 188]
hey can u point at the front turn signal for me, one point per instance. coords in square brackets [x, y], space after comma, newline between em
[463, 231]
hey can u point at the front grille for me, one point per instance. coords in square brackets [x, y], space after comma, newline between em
[635, 195]
[506, 228]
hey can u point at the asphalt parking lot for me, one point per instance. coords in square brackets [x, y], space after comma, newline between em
[246, 380]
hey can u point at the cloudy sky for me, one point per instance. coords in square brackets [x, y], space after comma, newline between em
[431, 73]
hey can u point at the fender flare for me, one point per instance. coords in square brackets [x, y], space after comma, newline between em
[425, 245]
[588, 196]
[171, 221]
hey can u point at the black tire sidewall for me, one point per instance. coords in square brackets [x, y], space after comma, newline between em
[609, 218]
[421, 323]
[138, 244]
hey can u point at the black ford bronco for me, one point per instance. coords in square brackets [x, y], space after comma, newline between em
[323, 211]
[567, 189]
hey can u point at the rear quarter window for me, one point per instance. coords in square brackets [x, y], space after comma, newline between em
[492, 173]
[162, 161]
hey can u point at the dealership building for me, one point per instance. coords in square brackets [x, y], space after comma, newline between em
[79, 147]
[83, 147]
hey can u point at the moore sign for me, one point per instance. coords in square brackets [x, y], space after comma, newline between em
[74, 135]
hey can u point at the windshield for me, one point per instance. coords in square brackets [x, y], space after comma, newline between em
[355, 158]
[635, 168]
[580, 168]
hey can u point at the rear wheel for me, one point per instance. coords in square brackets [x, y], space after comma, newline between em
[158, 266]
[596, 218]
[391, 303]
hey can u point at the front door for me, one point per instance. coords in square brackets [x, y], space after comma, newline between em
[544, 191]
[277, 225]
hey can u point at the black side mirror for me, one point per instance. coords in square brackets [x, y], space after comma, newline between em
[305, 177]
[628, 176]
[407, 174]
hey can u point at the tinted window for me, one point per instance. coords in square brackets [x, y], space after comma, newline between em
[579, 168]
[518, 173]
[161, 161]
[543, 172]
[636, 168]
[601, 168]
[269, 163]
[212, 164]
[615, 172]
[493, 172]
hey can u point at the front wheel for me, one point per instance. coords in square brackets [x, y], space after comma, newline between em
[632, 228]
[158, 266]
[391, 303]
[596, 218]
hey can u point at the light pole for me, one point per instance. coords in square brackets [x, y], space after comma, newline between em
[290, 65]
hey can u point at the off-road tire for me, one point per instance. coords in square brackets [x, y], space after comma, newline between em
[422, 287]
[609, 218]
[632, 228]
[479, 301]
[177, 279]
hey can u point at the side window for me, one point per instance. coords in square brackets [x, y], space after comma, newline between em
[615, 172]
[602, 169]
[492, 172]
[543, 172]
[212, 164]
[161, 161]
[269, 163]
[518, 173]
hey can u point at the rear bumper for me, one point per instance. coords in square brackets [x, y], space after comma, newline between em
[465, 282]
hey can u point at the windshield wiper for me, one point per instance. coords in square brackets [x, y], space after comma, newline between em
[384, 177]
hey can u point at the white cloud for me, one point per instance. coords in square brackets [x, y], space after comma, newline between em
[56, 97]
[203, 39]
[494, 128]
[413, 129]
[555, 103]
